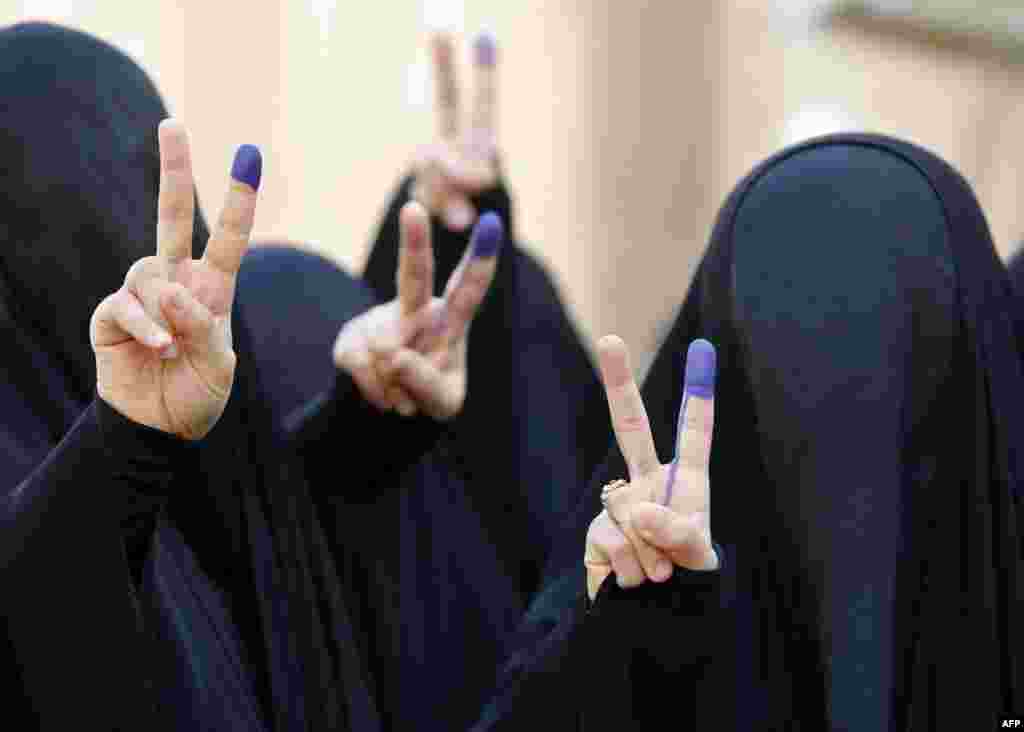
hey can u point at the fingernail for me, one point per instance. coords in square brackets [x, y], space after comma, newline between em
[161, 339]
[169, 352]
[248, 166]
[459, 217]
[485, 48]
[662, 570]
[700, 369]
[488, 236]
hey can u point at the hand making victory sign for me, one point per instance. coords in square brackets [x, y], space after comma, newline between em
[463, 162]
[662, 516]
[164, 354]
[410, 354]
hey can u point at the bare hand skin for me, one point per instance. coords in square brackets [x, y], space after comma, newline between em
[462, 162]
[164, 355]
[663, 516]
[410, 354]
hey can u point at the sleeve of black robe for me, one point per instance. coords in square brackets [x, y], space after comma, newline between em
[341, 422]
[74, 533]
[617, 662]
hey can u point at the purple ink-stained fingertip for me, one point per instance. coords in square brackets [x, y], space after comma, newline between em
[488, 235]
[248, 166]
[700, 369]
[486, 49]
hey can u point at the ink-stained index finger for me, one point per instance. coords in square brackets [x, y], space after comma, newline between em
[485, 62]
[629, 417]
[446, 85]
[470, 281]
[176, 200]
[697, 412]
[230, 239]
[415, 276]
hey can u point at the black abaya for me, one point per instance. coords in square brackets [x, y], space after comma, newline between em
[864, 476]
[148, 583]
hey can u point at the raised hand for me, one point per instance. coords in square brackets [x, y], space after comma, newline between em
[662, 516]
[410, 354]
[461, 163]
[164, 355]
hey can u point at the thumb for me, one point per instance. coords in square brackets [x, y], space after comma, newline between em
[686, 539]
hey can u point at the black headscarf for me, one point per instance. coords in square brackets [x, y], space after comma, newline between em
[297, 302]
[238, 554]
[865, 474]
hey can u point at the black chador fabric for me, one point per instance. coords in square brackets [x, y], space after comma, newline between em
[296, 302]
[473, 523]
[865, 476]
[149, 583]
[434, 601]
[535, 420]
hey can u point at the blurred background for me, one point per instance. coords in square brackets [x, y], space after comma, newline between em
[623, 124]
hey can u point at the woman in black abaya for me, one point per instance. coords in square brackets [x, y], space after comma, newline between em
[150, 581]
[475, 523]
[865, 474]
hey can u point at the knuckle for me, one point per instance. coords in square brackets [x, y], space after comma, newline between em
[175, 207]
[618, 549]
[632, 422]
[140, 271]
[699, 415]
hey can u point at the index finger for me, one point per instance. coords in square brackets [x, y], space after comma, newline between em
[696, 420]
[234, 226]
[415, 276]
[629, 417]
[470, 281]
[176, 199]
[446, 84]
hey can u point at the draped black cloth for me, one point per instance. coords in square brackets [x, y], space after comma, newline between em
[535, 422]
[474, 522]
[149, 583]
[865, 476]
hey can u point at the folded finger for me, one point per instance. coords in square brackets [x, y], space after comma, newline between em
[191, 321]
[424, 383]
[176, 199]
[684, 538]
[352, 355]
[121, 317]
[230, 238]
[621, 555]
[150, 292]
[629, 417]
[457, 212]
[652, 560]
